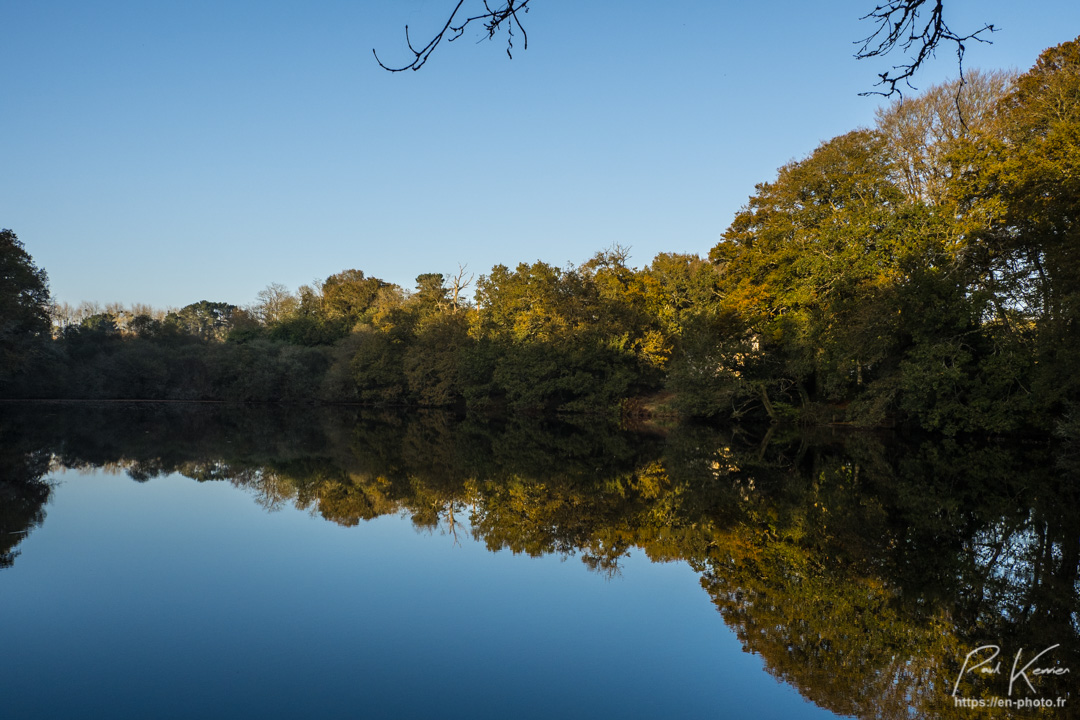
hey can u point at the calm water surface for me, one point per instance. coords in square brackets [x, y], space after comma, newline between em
[178, 562]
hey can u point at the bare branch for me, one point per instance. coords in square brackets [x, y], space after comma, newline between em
[900, 26]
[914, 27]
[504, 15]
[460, 283]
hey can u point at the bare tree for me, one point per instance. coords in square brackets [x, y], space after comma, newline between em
[914, 27]
[273, 304]
[459, 283]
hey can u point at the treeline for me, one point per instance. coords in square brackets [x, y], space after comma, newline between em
[925, 271]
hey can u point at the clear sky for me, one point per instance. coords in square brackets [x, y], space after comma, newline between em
[173, 151]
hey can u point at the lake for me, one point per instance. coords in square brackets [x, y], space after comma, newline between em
[215, 561]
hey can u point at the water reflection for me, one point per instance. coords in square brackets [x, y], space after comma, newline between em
[862, 569]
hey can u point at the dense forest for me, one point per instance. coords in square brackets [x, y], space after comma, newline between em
[924, 272]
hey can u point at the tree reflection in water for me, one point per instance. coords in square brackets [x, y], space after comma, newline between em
[862, 569]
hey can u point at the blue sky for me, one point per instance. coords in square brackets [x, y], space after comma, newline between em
[171, 152]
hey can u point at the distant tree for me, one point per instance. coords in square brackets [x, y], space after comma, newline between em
[24, 305]
[458, 284]
[101, 324]
[307, 323]
[205, 319]
[349, 294]
[274, 303]
[431, 293]
[433, 360]
[145, 326]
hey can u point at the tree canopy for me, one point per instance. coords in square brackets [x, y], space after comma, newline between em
[24, 306]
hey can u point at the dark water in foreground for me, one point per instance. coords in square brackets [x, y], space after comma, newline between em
[181, 561]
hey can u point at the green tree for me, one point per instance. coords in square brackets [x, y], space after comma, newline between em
[24, 307]
[204, 319]
[348, 295]
[431, 294]
[307, 323]
[434, 359]
[809, 262]
[1032, 190]
[563, 339]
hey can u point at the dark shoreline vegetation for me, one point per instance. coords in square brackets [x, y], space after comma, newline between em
[861, 566]
[924, 273]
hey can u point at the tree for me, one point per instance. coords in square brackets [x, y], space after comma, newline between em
[348, 295]
[431, 293]
[921, 133]
[274, 303]
[205, 319]
[901, 25]
[24, 306]
[812, 248]
[434, 358]
[856, 295]
[1023, 183]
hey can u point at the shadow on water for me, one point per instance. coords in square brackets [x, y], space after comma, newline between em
[862, 569]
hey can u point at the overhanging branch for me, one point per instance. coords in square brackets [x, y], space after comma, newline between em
[914, 27]
[504, 15]
[901, 26]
